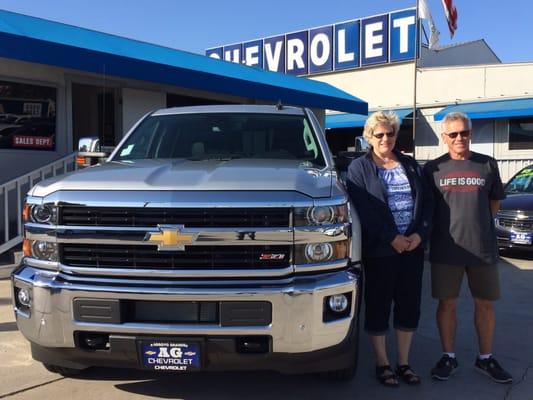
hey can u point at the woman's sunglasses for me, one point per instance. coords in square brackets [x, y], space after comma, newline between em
[453, 135]
[380, 135]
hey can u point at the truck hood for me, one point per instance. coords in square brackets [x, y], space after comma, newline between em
[518, 201]
[182, 174]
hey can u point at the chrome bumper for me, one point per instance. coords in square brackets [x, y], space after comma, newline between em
[297, 310]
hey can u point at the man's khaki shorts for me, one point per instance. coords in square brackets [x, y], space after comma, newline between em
[483, 280]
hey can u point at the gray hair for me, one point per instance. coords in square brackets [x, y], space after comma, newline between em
[456, 116]
[380, 117]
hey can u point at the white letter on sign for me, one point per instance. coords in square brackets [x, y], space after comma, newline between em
[341, 47]
[295, 52]
[175, 352]
[316, 59]
[272, 57]
[236, 56]
[163, 352]
[250, 55]
[403, 24]
[371, 40]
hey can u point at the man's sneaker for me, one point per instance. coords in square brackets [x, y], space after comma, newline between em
[493, 369]
[444, 368]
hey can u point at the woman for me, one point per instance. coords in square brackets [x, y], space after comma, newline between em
[394, 206]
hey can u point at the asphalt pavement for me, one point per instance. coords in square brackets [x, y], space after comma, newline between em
[23, 378]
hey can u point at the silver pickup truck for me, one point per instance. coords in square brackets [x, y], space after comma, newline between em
[212, 238]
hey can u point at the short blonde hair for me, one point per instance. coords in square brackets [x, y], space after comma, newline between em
[380, 117]
[456, 116]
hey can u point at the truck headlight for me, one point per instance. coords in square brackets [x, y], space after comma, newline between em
[321, 252]
[321, 215]
[40, 213]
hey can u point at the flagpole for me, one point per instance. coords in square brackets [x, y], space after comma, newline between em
[417, 34]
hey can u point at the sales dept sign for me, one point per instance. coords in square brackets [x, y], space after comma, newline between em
[380, 39]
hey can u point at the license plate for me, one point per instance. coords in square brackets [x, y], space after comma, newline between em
[522, 237]
[170, 356]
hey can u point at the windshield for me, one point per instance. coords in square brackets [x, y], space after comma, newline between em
[223, 136]
[522, 182]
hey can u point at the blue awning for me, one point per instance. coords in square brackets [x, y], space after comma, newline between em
[46, 42]
[491, 109]
[334, 121]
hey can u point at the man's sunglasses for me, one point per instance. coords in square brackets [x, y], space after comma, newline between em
[453, 135]
[380, 135]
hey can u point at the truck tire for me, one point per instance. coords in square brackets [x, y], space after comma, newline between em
[64, 371]
[345, 374]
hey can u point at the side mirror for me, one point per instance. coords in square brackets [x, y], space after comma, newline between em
[90, 152]
[89, 145]
[361, 145]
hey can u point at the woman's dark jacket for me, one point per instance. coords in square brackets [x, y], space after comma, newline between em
[369, 196]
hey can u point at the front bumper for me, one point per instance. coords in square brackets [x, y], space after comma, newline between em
[300, 340]
[504, 241]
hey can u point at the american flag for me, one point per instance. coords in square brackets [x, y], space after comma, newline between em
[451, 15]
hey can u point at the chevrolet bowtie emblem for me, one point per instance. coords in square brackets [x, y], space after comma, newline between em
[171, 237]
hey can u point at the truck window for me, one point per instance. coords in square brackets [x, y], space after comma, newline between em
[223, 136]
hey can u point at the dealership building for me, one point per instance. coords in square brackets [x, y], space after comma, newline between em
[373, 58]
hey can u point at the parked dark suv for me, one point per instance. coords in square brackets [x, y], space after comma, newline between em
[514, 221]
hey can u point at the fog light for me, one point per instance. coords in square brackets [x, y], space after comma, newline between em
[318, 252]
[23, 297]
[338, 303]
[44, 250]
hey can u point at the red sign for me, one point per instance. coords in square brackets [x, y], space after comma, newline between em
[34, 142]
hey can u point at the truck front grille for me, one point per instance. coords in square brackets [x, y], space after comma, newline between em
[193, 258]
[519, 225]
[190, 217]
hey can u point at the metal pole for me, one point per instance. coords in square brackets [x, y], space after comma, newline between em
[417, 35]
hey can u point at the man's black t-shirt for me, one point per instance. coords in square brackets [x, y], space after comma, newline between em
[463, 227]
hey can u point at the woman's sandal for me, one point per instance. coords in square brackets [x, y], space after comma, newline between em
[407, 374]
[386, 376]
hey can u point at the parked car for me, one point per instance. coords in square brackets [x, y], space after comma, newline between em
[514, 221]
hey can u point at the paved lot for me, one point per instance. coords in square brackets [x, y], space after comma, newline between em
[22, 378]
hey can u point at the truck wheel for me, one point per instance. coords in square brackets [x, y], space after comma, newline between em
[67, 372]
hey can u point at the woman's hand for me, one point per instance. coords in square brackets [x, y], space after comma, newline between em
[400, 243]
[414, 240]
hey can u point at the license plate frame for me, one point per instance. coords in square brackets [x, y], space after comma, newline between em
[522, 238]
[170, 355]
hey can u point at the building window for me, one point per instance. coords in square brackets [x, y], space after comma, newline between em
[27, 116]
[520, 133]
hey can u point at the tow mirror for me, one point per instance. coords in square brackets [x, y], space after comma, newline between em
[90, 152]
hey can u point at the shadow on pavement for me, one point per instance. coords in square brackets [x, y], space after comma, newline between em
[8, 326]
[517, 253]
[223, 385]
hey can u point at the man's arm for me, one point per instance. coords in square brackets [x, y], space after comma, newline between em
[494, 207]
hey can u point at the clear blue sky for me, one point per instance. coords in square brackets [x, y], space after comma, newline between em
[194, 25]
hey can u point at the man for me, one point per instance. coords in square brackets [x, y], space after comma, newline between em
[468, 190]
